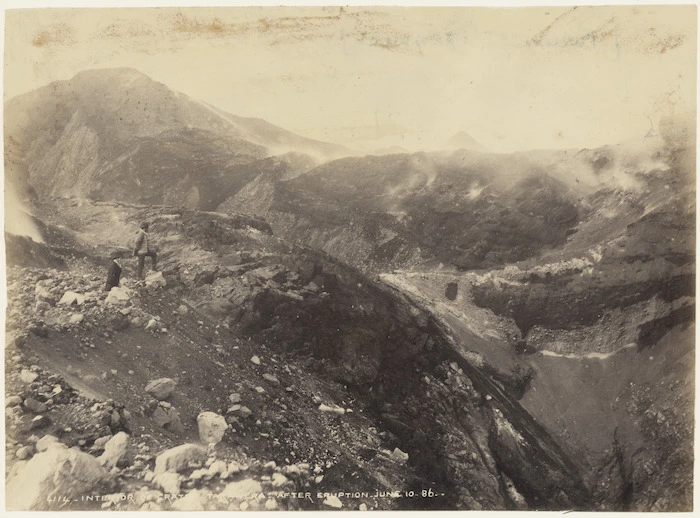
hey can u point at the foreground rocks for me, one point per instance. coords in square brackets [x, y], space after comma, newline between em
[57, 473]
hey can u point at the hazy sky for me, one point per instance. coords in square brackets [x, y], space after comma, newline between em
[511, 78]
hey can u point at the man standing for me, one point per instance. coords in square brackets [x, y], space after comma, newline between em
[143, 249]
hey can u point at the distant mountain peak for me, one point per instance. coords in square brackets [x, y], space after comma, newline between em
[463, 140]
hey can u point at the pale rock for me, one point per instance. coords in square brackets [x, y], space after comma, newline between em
[13, 401]
[152, 324]
[118, 296]
[333, 502]
[278, 480]
[56, 471]
[70, 297]
[212, 427]
[28, 376]
[24, 452]
[77, 318]
[255, 360]
[45, 295]
[331, 410]
[242, 489]
[399, 455]
[271, 378]
[235, 397]
[48, 441]
[363, 507]
[169, 482]
[156, 280]
[115, 449]
[232, 409]
[161, 388]
[195, 500]
[259, 390]
[271, 504]
[217, 467]
[100, 443]
[182, 309]
[245, 411]
[41, 306]
[177, 458]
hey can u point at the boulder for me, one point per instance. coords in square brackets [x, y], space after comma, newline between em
[44, 295]
[118, 296]
[166, 415]
[35, 406]
[28, 376]
[333, 502]
[24, 453]
[242, 489]
[13, 401]
[63, 472]
[76, 318]
[152, 324]
[70, 297]
[41, 306]
[279, 480]
[399, 456]
[177, 459]
[212, 427]
[48, 441]
[115, 449]
[195, 500]
[161, 388]
[156, 280]
[272, 379]
[169, 482]
[101, 442]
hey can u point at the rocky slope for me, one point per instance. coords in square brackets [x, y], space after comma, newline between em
[115, 134]
[325, 382]
[600, 331]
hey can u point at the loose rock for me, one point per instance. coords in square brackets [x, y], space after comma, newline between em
[212, 427]
[161, 388]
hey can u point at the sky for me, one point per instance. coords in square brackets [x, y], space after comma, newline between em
[375, 77]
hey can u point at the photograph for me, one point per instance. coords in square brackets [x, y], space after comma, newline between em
[349, 258]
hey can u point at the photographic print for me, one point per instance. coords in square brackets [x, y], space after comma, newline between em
[350, 258]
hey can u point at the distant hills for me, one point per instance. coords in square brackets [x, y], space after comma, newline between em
[116, 134]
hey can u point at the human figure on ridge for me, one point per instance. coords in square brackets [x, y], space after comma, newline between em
[143, 249]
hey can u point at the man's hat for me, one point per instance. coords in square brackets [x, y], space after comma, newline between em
[144, 225]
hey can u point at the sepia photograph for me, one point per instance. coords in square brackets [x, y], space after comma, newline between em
[355, 258]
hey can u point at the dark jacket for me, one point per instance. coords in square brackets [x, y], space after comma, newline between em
[114, 272]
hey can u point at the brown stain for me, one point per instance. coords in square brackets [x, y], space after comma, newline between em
[602, 33]
[287, 24]
[537, 39]
[663, 45]
[58, 34]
